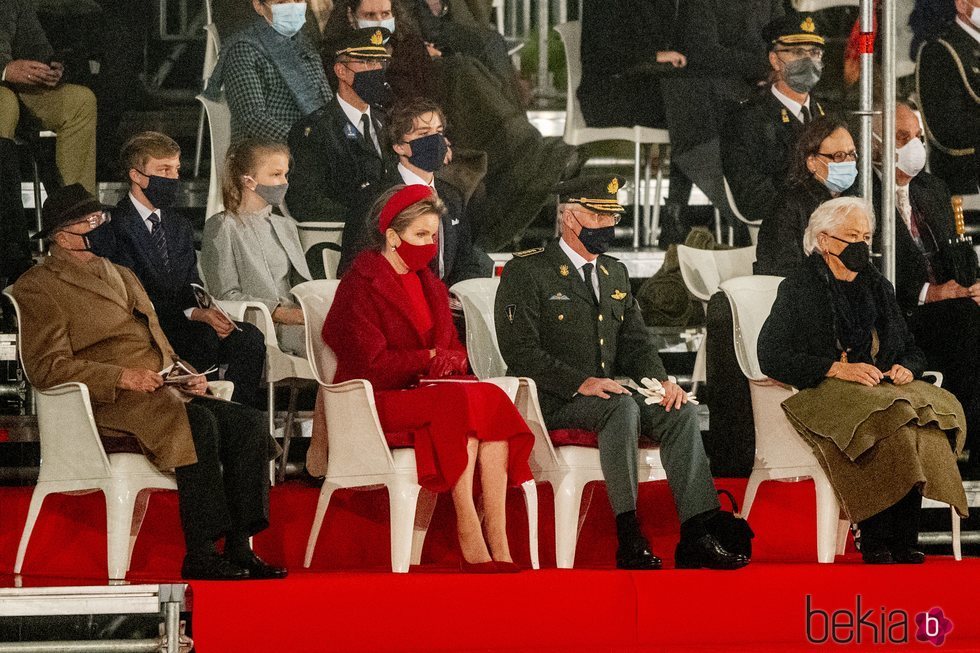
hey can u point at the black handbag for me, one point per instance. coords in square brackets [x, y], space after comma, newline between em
[731, 531]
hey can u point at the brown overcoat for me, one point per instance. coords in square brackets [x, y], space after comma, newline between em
[75, 327]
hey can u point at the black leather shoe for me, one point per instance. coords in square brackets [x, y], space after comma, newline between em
[906, 555]
[706, 552]
[877, 556]
[257, 567]
[635, 554]
[211, 566]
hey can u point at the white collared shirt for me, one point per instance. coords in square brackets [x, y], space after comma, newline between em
[145, 213]
[578, 261]
[969, 28]
[410, 178]
[355, 116]
[903, 203]
[794, 107]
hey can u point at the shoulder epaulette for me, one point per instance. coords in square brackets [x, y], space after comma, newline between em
[529, 252]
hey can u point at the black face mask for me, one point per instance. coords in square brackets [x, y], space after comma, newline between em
[428, 152]
[372, 87]
[597, 240]
[161, 191]
[856, 256]
[86, 243]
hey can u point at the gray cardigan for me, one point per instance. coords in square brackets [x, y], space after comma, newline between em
[233, 263]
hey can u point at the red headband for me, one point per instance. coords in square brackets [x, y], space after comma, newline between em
[401, 201]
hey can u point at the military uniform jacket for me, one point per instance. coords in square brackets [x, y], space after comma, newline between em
[948, 82]
[755, 152]
[549, 328]
[333, 164]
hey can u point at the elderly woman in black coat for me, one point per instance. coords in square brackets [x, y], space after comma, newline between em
[884, 438]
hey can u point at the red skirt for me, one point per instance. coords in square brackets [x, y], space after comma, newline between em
[442, 416]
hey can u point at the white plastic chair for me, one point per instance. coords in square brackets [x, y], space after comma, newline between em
[577, 133]
[780, 453]
[73, 461]
[359, 454]
[212, 46]
[569, 468]
[312, 234]
[703, 270]
[219, 128]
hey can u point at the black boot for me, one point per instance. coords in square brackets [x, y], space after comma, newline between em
[698, 549]
[240, 554]
[905, 520]
[634, 550]
[875, 535]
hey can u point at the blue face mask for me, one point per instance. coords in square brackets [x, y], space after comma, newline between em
[840, 176]
[288, 18]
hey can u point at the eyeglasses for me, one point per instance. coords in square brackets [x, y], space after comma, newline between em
[601, 219]
[813, 53]
[840, 157]
[94, 220]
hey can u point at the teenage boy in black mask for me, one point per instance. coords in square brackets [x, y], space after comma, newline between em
[341, 152]
[151, 238]
[416, 131]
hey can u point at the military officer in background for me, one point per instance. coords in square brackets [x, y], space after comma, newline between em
[566, 317]
[756, 145]
[947, 78]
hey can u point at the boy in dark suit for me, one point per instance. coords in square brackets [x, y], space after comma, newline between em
[152, 239]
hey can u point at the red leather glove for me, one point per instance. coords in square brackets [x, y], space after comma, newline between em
[448, 363]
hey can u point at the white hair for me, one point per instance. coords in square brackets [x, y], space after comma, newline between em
[832, 214]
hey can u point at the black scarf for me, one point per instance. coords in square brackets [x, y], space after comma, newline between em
[855, 311]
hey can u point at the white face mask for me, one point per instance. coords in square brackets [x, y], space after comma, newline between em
[387, 23]
[912, 157]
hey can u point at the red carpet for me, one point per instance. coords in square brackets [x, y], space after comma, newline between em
[591, 608]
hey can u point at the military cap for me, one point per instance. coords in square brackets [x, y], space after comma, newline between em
[793, 29]
[367, 43]
[595, 192]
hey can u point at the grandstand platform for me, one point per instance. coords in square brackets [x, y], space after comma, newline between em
[349, 601]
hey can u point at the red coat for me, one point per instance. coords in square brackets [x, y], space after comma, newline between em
[370, 329]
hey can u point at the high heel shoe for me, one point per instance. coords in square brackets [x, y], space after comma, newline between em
[507, 567]
[489, 567]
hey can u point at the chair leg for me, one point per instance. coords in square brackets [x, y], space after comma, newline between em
[957, 548]
[403, 497]
[321, 509]
[828, 515]
[139, 512]
[120, 502]
[658, 195]
[568, 502]
[647, 224]
[287, 431]
[271, 407]
[423, 515]
[843, 528]
[37, 500]
[636, 194]
[531, 504]
[751, 488]
[718, 226]
[700, 372]
[199, 145]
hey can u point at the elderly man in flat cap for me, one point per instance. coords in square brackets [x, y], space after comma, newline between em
[87, 320]
[566, 317]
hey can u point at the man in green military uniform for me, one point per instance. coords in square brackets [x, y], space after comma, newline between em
[566, 317]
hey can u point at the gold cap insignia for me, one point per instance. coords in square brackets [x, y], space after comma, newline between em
[613, 186]
[563, 270]
[619, 295]
[378, 38]
[808, 26]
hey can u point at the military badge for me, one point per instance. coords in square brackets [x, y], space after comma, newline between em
[619, 295]
[378, 38]
[511, 310]
[604, 270]
[785, 116]
[613, 186]
[306, 132]
[351, 133]
[808, 26]
[560, 297]
[563, 270]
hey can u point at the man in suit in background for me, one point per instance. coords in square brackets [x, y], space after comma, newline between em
[416, 130]
[341, 151]
[760, 135]
[86, 320]
[151, 238]
[565, 316]
[943, 315]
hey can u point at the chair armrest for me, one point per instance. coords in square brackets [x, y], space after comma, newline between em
[936, 376]
[356, 440]
[544, 458]
[255, 313]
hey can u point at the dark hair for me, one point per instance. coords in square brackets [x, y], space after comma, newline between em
[403, 115]
[808, 144]
[372, 238]
[339, 25]
[928, 20]
[243, 159]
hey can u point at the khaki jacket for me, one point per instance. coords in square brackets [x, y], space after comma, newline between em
[75, 327]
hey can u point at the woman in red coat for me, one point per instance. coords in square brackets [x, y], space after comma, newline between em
[390, 324]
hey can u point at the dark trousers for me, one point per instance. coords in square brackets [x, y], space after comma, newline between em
[895, 526]
[226, 492]
[242, 351]
[949, 334]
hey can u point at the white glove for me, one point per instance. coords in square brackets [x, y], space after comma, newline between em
[654, 392]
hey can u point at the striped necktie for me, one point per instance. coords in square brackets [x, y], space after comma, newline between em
[159, 238]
